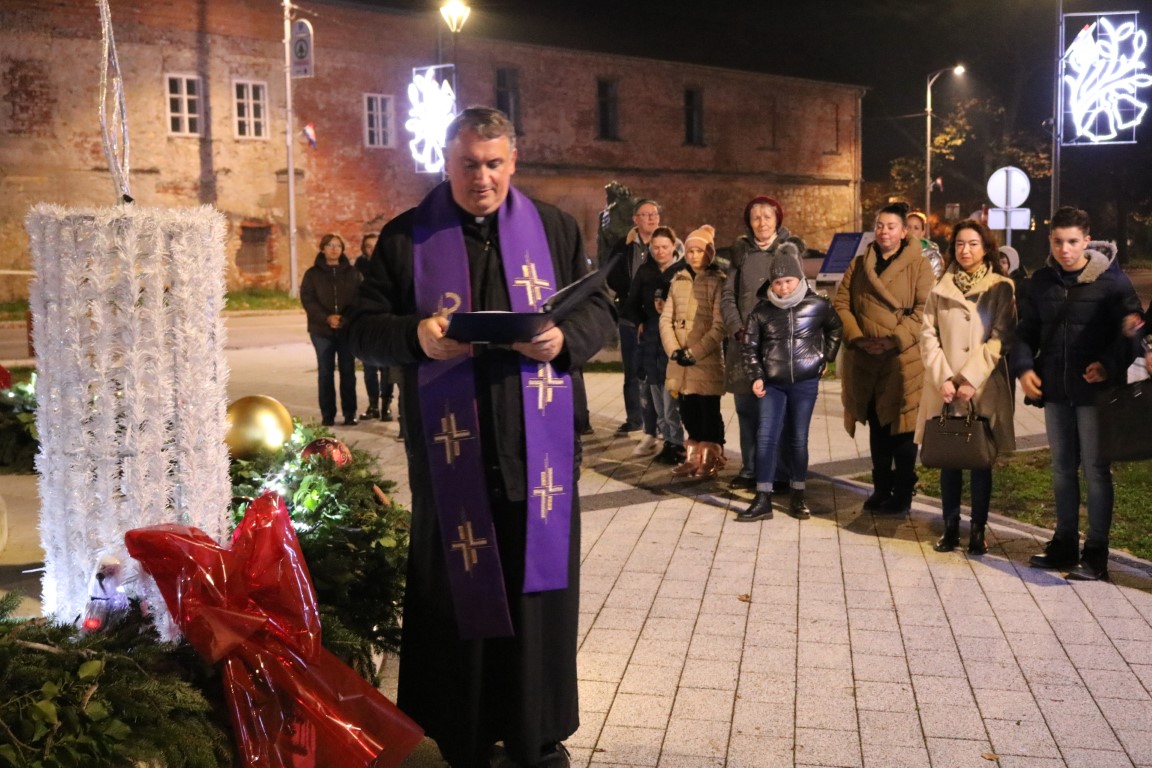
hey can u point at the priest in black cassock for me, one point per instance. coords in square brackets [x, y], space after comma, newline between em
[488, 651]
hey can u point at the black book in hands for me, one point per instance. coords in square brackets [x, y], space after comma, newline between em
[499, 327]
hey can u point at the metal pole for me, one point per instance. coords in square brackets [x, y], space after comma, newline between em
[928, 145]
[289, 135]
[1057, 110]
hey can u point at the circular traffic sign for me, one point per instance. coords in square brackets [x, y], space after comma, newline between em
[1008, 187]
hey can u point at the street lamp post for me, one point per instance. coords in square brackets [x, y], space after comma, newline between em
[957, 70]
[455, 13]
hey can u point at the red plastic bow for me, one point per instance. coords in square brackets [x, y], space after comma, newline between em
[252, 609]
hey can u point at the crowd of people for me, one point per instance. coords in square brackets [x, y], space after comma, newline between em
[488, 652]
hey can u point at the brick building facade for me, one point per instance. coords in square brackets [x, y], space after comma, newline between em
[206, 99]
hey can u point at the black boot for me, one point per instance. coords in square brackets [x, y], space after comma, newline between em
[1093, 565]
[1058, 554]
[386, 411]
[951, 537]
[759, 509]
[796, 506]
[977, 545]
[899, 503]
[881, 489]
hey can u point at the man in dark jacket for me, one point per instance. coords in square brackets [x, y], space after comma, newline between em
[491, 608]
[1070, 341]
[633, 250]
[328, 290]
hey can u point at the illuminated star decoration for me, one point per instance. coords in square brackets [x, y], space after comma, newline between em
[433, 108]
[1106, 68]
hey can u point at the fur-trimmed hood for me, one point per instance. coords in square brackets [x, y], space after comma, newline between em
[1101, 255]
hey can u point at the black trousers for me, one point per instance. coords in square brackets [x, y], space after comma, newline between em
[893, 456]
[700, 415]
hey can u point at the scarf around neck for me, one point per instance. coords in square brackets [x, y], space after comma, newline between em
[965, 280]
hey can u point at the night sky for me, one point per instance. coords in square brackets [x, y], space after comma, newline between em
[889, 46]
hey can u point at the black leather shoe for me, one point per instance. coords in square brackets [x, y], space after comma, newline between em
[386, 415]
[893, 505]
[1058, 555]
[371, 413]
[796, 506]
[977, 544]
[626, 427]
[351, 421]
[1093, 566]
[951, 538]
[759, 509]
[556, 758]
[328, 423]
[742, 483]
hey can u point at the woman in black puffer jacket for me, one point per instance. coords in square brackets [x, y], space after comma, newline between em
[791, 335]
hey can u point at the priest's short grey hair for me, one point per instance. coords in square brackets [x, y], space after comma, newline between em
[488, 122]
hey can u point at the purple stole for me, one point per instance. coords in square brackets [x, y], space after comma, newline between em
[452, 427]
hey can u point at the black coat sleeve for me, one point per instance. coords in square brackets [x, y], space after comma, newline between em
[382, 325]
[587, 327]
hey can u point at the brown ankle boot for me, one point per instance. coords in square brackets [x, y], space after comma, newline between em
[713, 460]
[692, 459]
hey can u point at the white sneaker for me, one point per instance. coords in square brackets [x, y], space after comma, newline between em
[647, 446]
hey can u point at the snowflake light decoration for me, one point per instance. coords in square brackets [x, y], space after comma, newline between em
[1103, 72]
[433, 107]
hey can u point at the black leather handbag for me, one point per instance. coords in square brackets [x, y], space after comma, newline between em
[1125, 416]
[953, 441]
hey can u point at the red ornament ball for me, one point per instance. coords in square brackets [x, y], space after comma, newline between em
[330, 448]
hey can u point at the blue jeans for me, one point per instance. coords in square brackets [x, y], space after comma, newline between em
[791, 405]
[667, 409]
[330, 352]
[952, 483]
[632, 382]
[748, 418]
[1074, 440]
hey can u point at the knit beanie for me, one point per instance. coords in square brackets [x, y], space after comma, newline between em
[786, 263]
[763, 200]
[705, 235]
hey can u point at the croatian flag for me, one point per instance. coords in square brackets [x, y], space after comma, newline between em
[310, 134]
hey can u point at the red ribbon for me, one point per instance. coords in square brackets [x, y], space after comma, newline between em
[252, 609]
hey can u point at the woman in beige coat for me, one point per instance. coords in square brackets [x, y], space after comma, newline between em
[692, 332]
[881, 303]
[969, 321]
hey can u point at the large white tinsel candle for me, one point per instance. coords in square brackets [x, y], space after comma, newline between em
[131, 384]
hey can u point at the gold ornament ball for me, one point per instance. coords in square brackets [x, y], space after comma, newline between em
[257, 423]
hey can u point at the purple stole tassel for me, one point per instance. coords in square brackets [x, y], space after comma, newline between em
[451, 424]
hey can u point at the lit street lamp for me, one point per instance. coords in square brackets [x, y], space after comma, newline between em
[957, 70]
[455, 13]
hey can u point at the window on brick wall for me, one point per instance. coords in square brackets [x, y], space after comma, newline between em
[251, 109]
[833, 147]
[508, 94]
[184, 96]
[608, 108]
[694, 117]
[378, 120]
[254, 258]
[768, 125]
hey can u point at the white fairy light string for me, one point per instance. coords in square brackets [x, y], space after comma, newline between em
[116, 146]
[127, 308]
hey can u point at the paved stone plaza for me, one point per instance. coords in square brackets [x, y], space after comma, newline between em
[843, 640]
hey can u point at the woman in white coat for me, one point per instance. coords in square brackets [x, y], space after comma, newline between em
[969, 321]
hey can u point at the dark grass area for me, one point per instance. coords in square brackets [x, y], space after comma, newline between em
[1022, 489]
